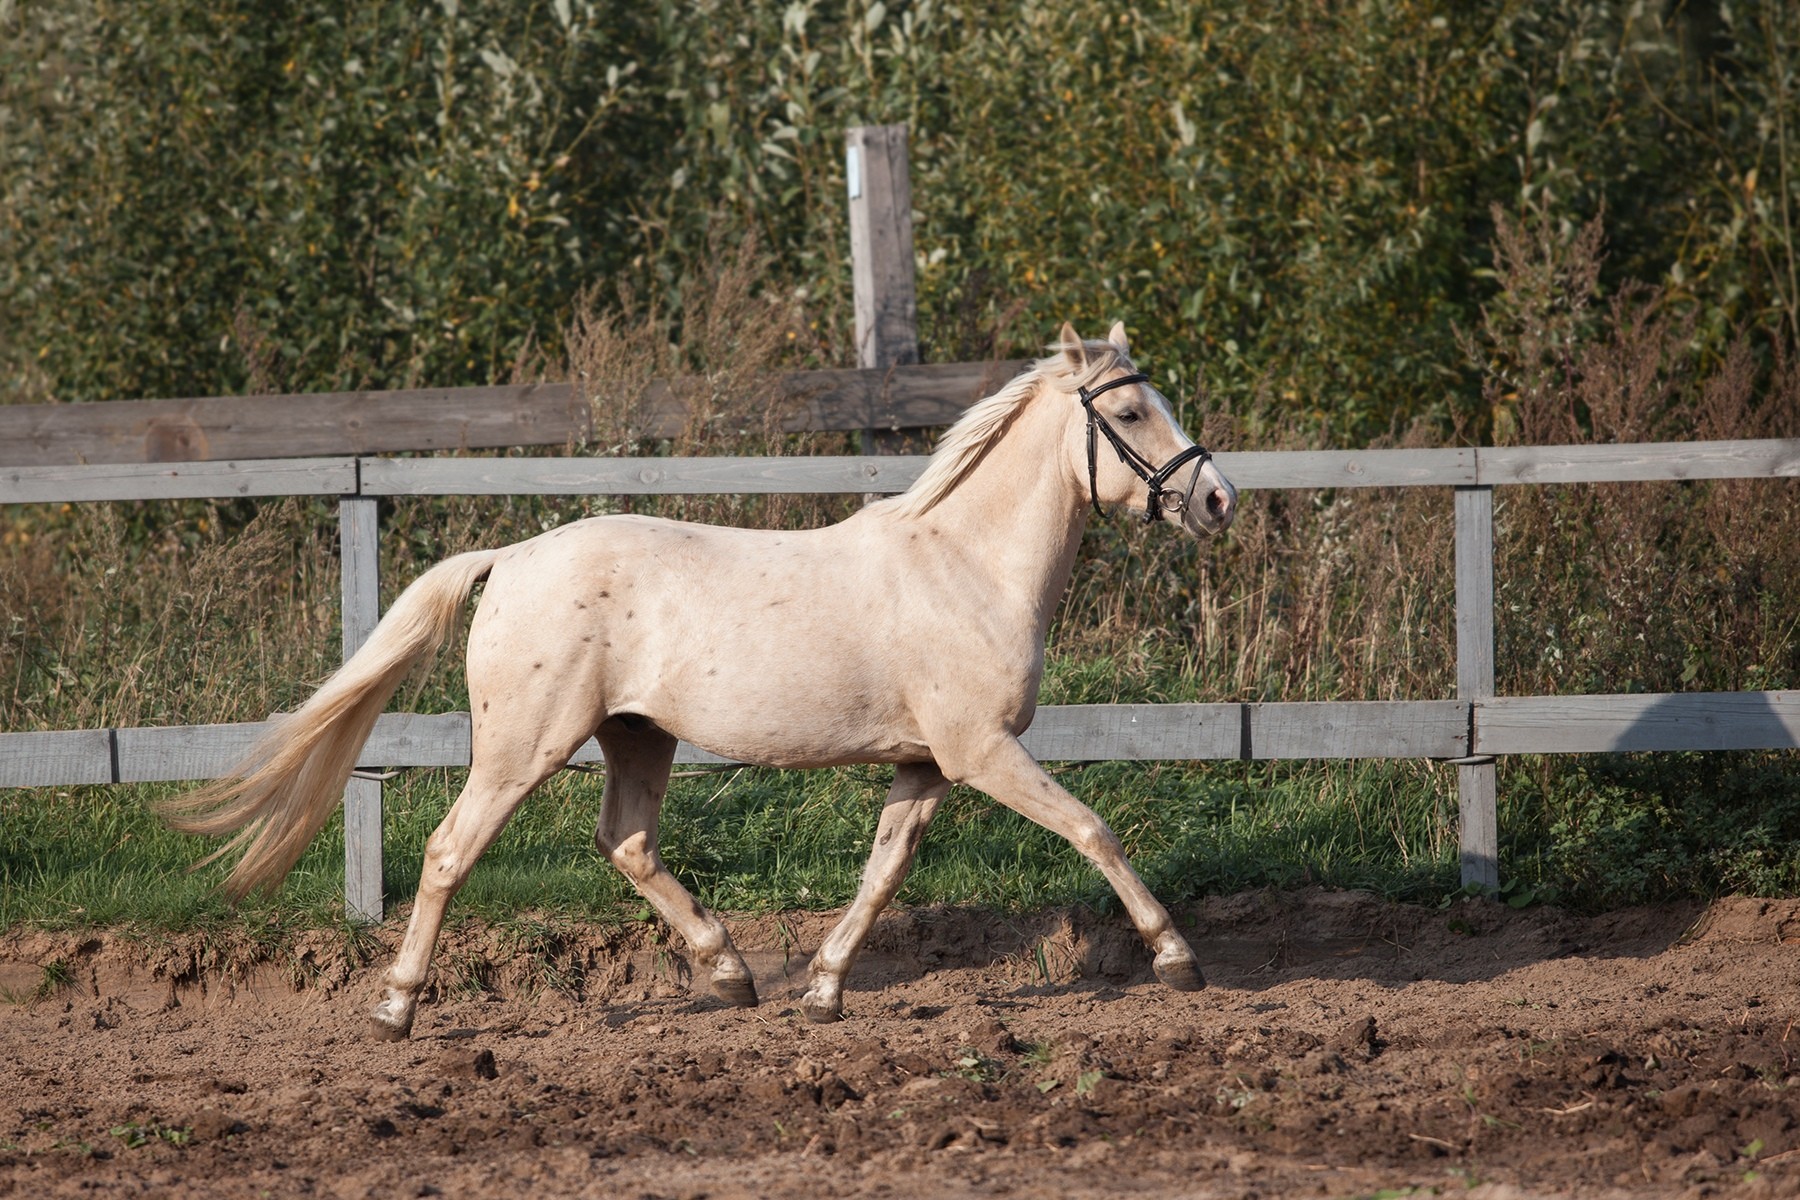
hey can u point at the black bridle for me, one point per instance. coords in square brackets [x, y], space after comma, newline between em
[1154, 478]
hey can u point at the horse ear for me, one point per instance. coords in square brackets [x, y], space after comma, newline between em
[1117, 337]
[1073, 351]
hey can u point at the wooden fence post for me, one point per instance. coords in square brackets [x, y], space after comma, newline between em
[881, 256]
[360, 555]
[1475, 678]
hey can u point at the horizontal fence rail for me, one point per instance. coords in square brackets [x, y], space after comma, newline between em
[219, 428]
[1433, 729]
[829, 474]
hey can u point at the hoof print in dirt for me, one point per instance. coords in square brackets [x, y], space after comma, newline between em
[468, 1064]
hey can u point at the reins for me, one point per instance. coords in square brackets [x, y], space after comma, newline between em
[1154, 478]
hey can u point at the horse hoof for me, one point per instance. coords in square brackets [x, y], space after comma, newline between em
[822, 1014]
[741, 992]
[1181, 975]
[384, 1028]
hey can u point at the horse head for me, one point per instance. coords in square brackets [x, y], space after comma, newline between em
[1147, 463]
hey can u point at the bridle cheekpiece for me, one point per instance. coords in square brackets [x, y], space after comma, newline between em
[1154, 478]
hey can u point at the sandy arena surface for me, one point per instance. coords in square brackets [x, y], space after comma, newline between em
[1346, 1047]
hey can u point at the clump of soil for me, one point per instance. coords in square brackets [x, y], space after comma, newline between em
[1346, 1046]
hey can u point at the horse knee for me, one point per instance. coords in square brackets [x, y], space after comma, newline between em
[1095, 840]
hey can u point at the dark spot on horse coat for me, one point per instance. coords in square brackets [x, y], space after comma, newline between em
[630, 613]
[537, 666]
[484, 705]
[604, 594]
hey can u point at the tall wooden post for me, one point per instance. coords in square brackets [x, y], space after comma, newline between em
[1475, 678]
[360, 554]
[881, 255]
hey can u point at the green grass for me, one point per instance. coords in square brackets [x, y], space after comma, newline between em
[1596, 832]
[756, 840]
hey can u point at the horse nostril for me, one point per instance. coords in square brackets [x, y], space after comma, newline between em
[1216, 502]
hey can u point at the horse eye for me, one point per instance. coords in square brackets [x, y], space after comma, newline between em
[1128, 417]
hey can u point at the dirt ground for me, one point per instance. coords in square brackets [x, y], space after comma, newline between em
[1345, 1047]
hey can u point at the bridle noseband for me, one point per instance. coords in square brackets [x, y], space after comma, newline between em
[1153, 478]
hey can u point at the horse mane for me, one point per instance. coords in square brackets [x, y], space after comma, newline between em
[965, 442]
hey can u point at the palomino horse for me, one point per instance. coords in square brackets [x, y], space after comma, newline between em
[911, 633]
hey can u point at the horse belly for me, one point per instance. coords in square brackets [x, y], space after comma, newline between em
[773, 708]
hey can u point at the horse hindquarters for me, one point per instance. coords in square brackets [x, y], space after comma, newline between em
[533, 703]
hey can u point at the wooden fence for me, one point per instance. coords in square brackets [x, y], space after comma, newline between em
[1469, 730]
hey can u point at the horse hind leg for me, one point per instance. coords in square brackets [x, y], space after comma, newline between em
[467, 830]
[504, 770]
[912, 801]
[637, 779]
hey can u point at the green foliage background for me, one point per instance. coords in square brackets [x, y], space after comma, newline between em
[1285, 198]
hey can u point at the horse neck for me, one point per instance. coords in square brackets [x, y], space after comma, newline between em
[1018, 512]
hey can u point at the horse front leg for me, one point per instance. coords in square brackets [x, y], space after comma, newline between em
[913, 800]
[637, 779]
[1003, 769]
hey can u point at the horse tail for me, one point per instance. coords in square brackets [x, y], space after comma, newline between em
[285, 790]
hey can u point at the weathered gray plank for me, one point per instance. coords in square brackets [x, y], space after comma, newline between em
[1669, 721]
[905, 396]
[215, 428]
[842, 400]
[418, 740]
[1074, 732]
[225, 428]
[636, 476]
[1336, 729]
[881, 246]
[175, 752]
[155, 754]
[1476, 783]
[1478, 808]
[59, 758]
[359, 555]
[1249, 469]
[1755, 459]
[1474, 592]
[1359, 729]
[884, 292]
[177, 481]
